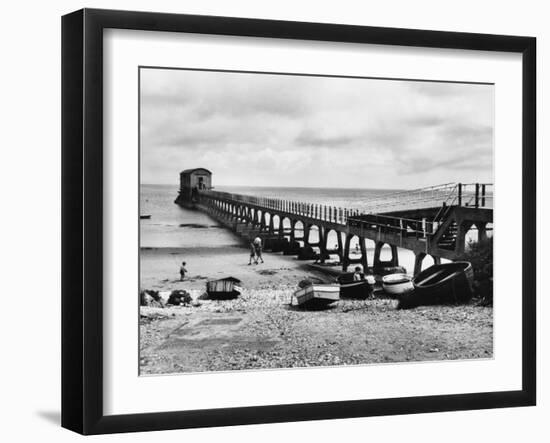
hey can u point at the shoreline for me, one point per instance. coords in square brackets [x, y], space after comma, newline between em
[159, 268]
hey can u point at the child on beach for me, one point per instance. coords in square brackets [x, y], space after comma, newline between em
[182, 270]
[358, 274]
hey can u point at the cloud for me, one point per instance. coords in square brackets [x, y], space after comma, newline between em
[272, 130]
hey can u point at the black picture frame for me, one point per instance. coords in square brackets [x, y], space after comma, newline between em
[82, 218]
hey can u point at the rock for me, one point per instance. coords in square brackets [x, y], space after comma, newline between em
[179, 297]
[149, 297]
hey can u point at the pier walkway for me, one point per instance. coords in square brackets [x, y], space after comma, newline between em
[428, 221]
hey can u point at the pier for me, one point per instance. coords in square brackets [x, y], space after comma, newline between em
[430, 221]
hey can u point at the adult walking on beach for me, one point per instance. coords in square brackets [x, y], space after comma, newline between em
[258, 249]
[252, 254]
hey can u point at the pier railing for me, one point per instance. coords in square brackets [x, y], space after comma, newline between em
[478, 195]
[387, 224]
[331, 214]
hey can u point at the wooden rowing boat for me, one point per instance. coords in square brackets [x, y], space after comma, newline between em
[224, 288]
[317, 295]
[397, 284]
[350, 288]
[445, 283]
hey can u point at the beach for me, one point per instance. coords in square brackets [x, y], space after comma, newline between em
[260, 329]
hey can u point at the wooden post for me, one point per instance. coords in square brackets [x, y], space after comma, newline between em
[477, 195]
[483, 196]
[460, 194]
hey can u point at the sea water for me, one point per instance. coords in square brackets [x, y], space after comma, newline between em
[172, 226]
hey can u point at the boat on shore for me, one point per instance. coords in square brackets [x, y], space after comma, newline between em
[317, 295]
[397, 284]
[350, 288]
[224, 288]
[446, 283]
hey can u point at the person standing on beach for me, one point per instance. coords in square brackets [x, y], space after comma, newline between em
[182, 270]
[358, 274]
[258, 249]
[252, 254]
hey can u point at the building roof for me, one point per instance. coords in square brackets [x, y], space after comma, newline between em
[233, 279]
[190, 171]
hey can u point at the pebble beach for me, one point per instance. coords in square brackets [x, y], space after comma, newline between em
[262, 330]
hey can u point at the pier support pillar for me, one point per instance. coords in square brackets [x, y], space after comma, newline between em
[377, 250]
[346, 260]
[306, 233]
[364, 261]
[323, 251]
[340, 246]
[345, 257]
[394, 255]
[481, 232]
[394, 261]
[271, 226]
[460, 246]
[418, 259]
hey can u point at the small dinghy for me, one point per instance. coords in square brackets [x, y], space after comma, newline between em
[441, 284]
[224, 288]
[145, 217]
[317, 295]
[350, 288]
[397, 284]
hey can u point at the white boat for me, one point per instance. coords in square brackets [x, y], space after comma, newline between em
[317, 295]
[397, 284]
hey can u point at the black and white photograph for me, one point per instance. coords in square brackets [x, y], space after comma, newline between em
[289, 221]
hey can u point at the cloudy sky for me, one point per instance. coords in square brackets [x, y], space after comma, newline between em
[284, 130]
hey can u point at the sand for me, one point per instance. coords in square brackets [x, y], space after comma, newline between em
[261, 330]
[160, 268]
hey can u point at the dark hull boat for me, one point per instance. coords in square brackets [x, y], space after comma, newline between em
[223, 289]
[144, 217]
[350, 288]
[446, 283]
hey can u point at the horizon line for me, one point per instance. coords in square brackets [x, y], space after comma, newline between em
[283, 186]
